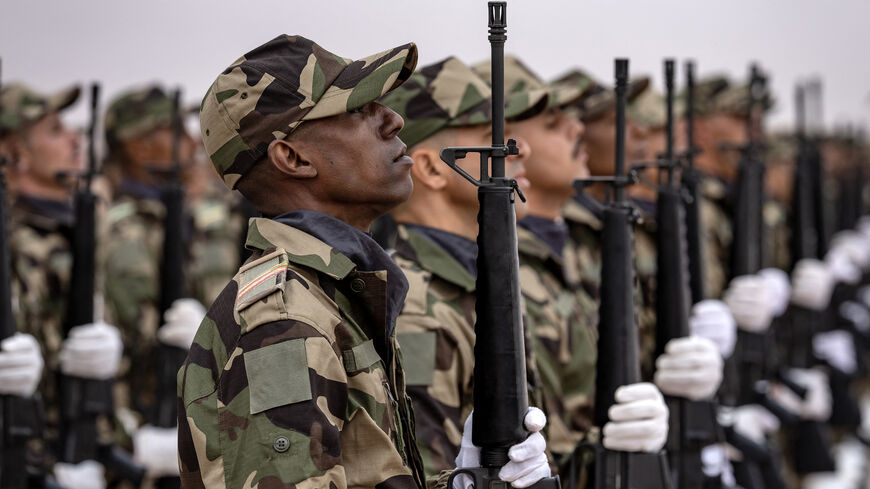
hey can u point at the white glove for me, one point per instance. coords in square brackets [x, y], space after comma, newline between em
[528, 460]
[780, 289]
[638, 420]
[92, 351]
[812, 284]
[857, 314]
[752, 421]
[20, 365]
[842, 267]
[855, 246]
[816, 405]
[837, 348]
[715, 463]
[711, 319]
[83, 475]
[182, 323]
[690, 367]
[156, 449]
[750, 299]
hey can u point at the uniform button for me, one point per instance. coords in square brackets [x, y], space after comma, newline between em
[281, 445]
[357, 285]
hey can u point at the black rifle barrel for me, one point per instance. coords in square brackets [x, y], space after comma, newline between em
[500, 389]
[691, 178]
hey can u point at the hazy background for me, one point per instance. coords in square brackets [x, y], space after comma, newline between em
[188, 42]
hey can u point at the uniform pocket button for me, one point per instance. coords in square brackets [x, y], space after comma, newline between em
[357, 285]
[281, 444]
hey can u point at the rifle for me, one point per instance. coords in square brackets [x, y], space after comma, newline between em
[692, 423]
[753, 357]
[618, 359]
[170, 358]
[84, 401]
[500, 390]
[21, 417]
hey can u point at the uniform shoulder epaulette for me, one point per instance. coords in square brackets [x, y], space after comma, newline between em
[261, 278]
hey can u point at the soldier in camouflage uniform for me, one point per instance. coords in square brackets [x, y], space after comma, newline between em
[140, 142]
[562, 317]
[443, 104]
[295, 376]
[44, 158]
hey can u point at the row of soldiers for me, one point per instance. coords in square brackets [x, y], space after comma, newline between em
[309, 365]
[45, 163]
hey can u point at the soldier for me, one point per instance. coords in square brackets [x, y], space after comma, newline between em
[139, 137]
[43, 159]
[443, 104]
[295, 376]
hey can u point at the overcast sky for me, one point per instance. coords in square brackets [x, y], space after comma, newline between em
[188, 42]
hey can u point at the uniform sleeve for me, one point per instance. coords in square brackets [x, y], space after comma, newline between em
[437, 350]
[273, 416]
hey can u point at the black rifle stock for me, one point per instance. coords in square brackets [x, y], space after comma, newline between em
[83, 401]
[500, 389]
[618, 361]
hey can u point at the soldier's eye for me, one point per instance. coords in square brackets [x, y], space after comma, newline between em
[358, 110]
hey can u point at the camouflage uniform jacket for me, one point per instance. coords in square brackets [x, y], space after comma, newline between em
[132, 266]
[563, 320]
[436, 332]
[41, 261]
[292, 379]
[131, 261]
[716, 236]
[646, 268]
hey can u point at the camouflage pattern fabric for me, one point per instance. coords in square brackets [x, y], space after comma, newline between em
[645, 291]
[132, 266]
[131, 260]
[20, 105]
[523, 86]
[778, 234]
[41, 262]
[648, 109]
[562, 319]
[265, 95]
[598, 99]
[716, 236]
[443, 94]
[137, 112]
[297, 306]
[436, 332]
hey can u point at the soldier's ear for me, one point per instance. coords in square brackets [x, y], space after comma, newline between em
[11, 149]
[287, 158]
[428, 170]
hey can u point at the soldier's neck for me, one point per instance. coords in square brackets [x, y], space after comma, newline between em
[546, 203]
[40, 190]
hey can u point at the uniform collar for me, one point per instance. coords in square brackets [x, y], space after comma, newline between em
[45, 213]
[447, 255]
[552, 233]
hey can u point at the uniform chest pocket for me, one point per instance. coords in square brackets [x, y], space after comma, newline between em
[369, 389]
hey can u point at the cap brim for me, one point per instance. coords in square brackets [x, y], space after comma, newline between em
[526, 104]
[636, 87]
[366, 80]
[62, 99]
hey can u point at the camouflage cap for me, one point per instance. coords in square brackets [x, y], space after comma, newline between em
[268, 92]
[136, 112]
[706, 91]
[20, 105]
[649, 109]
[602, 99]
[443, 94]
[735, 100]
[524, 89]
